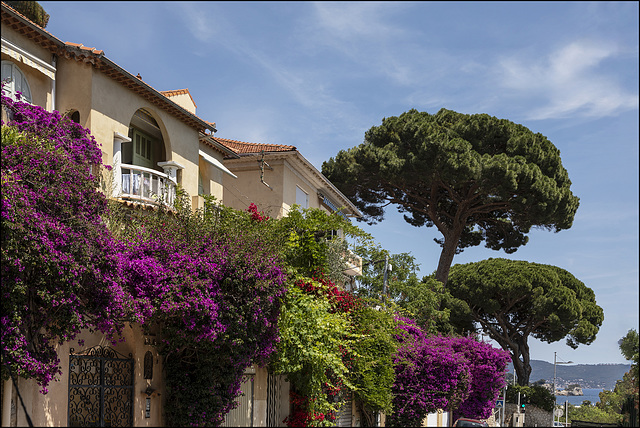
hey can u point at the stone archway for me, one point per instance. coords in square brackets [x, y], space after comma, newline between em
[141, 166]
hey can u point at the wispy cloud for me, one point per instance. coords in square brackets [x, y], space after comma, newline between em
[198, 23]
[367, 36]
[359, 20]
[575, 80]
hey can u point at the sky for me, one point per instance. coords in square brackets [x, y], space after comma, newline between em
[318, 75]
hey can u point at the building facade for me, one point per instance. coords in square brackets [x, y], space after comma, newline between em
[154, 142]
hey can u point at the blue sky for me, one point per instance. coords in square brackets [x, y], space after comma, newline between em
[318, 75]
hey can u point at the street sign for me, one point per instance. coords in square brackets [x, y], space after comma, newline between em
[499, 403]
[558, 412]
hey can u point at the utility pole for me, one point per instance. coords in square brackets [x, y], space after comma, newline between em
[555, 363]
[385, 277]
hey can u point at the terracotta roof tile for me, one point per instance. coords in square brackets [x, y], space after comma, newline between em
[175, 92]
[85, 48]
[241, 147]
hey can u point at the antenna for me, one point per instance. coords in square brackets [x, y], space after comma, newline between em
[262, 163]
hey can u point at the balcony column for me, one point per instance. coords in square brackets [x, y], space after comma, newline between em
[171, 169]
[118, 139]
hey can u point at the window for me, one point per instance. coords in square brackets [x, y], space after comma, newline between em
[142, 149]
[302, 198]
[15, 81]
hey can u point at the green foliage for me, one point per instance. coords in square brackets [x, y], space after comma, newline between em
[32, 10]
[629, 386]
[313, 339]
[372, 373]
[537, 395]
[329, 347]
[590, 413]
[629, 346]
[474, 177]
[314, 240]
[617, 401]
[512, 300]
[194, 393]
[419, 299]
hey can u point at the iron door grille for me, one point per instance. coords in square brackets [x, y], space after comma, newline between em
[100, 388]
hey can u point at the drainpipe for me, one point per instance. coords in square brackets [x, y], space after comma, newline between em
[54, 60]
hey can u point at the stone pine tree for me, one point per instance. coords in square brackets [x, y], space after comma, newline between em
[475, 178]
[512, 300]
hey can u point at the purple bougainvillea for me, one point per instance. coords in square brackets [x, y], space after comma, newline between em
[487, 367]
[458, 374]
[58, 259]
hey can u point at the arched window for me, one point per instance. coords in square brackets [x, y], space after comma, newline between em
[14, 81]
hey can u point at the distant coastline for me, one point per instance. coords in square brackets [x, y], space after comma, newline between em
[590, 394]
[573, 392]
[586, 375]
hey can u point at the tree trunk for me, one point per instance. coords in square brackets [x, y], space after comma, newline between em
[522, 367]
[446, 256]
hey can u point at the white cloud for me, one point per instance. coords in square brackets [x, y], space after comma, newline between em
[365, 34]
[572, 81]
[364, 20]
[198, 21]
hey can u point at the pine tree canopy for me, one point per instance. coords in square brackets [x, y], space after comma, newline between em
[475, 177]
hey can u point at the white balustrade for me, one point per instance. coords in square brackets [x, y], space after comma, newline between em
[146, 184]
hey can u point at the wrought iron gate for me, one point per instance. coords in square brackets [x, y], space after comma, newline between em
[100, 388]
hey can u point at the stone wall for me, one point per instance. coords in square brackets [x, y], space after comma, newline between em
[534, 416]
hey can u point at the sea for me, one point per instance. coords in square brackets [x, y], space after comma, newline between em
[591, 394]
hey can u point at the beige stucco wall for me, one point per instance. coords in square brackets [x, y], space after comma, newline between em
[73, 88]
[247, 188]
[185, 101]
[39, 84]
[293, 178]
[51, 409]
[106, 106]
[283, 179]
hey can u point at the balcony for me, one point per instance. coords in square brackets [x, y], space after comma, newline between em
[354, 264]
[145, 185]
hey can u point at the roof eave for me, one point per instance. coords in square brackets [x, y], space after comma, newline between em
[229, 153]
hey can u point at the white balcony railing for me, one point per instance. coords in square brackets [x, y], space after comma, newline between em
[354, 264]
[146, 185]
